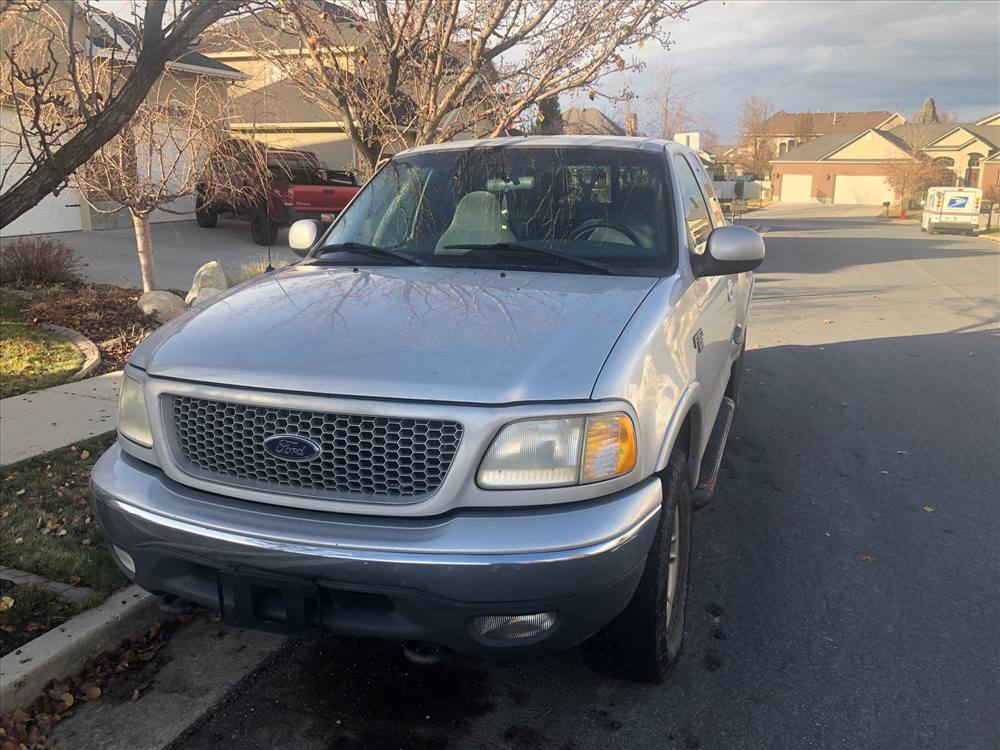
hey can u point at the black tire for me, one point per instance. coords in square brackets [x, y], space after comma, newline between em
[644, 642]
[206, 216]
[923, 229]
[262, 229]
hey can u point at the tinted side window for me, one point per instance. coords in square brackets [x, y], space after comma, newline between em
[699, 225]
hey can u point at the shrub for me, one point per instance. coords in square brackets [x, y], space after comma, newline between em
[252, 269]
[38, 261]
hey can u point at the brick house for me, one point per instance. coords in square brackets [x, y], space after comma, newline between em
[850, 168]
[788, 130]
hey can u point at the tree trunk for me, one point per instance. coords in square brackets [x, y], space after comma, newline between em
[48, 174]
[144, 246]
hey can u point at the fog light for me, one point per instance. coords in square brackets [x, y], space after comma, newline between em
[125, 559]
[512, 627]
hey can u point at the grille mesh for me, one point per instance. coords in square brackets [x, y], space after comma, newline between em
[360, 454]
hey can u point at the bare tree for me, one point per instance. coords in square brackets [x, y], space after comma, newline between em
[160, 156]
[909, 176]
[70, 94]
[399, 73]
[805, 128]
[674, 105]
[756, 147]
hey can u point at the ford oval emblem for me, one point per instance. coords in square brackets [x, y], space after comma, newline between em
[291, 447]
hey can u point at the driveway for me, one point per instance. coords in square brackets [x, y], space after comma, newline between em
[179, 248]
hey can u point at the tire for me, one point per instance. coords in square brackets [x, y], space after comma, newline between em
[643, 643]
[262, 229]
[206, 216]
[923, 229]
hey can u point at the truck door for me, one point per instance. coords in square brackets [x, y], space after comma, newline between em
[713, 334]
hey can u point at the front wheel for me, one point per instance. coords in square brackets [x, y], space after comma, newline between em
[644, 642]
[263, 230]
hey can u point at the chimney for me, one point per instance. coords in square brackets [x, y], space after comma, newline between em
[631, 123]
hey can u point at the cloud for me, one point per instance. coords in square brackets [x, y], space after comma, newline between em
[827, 56]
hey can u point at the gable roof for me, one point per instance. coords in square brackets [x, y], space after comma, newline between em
[922, 136]
[124, 36]
[817, 148]
[589, 121]
[991, 119]
[787, 123]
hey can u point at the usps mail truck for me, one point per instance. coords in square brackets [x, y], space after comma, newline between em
[951, 209]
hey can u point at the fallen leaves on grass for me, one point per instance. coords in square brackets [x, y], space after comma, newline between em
[108, 315]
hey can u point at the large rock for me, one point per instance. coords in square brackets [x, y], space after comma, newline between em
[162, 305]
[205, 294]
[209, 275]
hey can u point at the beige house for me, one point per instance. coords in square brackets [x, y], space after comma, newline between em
[103, 37]
[788, 130]
[850, 168]
[838, 168]
[271, 110]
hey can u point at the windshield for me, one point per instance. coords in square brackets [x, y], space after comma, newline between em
[572, 210]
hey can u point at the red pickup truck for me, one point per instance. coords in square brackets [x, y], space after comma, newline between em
[271, 188]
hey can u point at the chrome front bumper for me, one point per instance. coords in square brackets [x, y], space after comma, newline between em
[406, 578]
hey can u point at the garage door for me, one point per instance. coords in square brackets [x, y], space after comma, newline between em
[55, 213]
[796, 188]
[866, 190]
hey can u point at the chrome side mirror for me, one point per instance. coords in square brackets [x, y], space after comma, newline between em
[302, 236]
[730, 249]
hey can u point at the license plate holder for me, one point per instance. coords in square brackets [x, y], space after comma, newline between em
[277, 604]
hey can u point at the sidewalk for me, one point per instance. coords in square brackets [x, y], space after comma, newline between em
[41, 421]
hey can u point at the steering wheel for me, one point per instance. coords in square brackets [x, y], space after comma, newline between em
[591, 224]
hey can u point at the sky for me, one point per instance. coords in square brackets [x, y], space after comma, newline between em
[824, 56]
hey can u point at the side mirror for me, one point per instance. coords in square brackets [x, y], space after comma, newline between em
[730, 249]
[302, 236]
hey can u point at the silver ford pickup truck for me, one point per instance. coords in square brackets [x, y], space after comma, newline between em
[475, 416]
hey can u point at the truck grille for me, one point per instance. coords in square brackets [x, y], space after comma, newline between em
[362, 455]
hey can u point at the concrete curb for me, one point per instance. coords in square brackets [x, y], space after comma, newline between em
[991, 237]
[91, 354]
[64, 650]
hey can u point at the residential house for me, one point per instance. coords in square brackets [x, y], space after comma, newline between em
[787, 130]
[850, 168]
[589, 121]
[273, 109]
[101, 36]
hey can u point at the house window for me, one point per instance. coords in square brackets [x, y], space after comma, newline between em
[948, 163]
[972, 171]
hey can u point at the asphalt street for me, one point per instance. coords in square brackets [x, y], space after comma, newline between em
[844, 583]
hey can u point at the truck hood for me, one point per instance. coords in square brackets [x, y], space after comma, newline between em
[440, 334]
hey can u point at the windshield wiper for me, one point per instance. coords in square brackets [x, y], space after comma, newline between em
[514, 247]
[361, 248]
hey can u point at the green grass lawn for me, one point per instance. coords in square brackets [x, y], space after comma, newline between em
[26, 612]
[31, 357]
[46, 523]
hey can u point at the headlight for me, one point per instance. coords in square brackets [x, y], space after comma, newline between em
[559, 452]
[133, 421]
